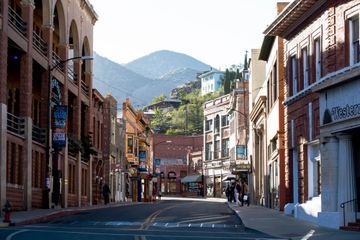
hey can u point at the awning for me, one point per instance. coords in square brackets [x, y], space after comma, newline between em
[229, 177]
[189, 179]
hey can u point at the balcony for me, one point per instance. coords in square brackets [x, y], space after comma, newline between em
[17, 23]
[71, 75]
[56, 60]
[39, 134]
[84, 88]
[39, 44]
[16, 125]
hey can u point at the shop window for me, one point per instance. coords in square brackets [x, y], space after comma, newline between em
[354, 39]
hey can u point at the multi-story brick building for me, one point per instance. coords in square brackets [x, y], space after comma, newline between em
[174, 153]
[216, 144]
[35, 37]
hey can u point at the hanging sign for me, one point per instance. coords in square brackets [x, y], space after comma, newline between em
[59, 130]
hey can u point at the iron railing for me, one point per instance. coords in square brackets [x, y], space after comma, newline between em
[71, 74]
[84, 88]
[39, 44]
[16, 124]
[56, 61]
[16, 21]
[39, 134]
[342, 205]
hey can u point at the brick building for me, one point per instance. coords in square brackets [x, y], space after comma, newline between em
[174, 152]
[268, 125]
[36, 36]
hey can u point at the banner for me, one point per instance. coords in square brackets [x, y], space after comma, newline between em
[59, 126]
[240, 152]
[142, 161]
[157, 166]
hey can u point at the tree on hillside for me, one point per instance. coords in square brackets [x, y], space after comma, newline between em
[157, 99]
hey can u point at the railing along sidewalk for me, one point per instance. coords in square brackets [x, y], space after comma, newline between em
[342, 205]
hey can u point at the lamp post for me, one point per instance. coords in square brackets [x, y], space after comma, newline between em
[48, 167]
[154, 156]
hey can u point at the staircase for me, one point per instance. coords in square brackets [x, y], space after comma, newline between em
[352, 226]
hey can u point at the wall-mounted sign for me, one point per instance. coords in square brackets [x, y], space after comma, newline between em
[343, 112]
[133, 172]
[240, 152]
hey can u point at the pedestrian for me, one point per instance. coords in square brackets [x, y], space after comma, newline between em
[237, 193]
[232, 191]
[245, 193]
[154, 193]
[106, 193]
[227, 192]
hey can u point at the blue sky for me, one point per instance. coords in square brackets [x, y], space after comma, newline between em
[216, 32]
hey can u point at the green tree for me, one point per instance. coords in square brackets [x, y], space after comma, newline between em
[157, 99]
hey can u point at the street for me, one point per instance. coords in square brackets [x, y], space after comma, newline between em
[161, 220]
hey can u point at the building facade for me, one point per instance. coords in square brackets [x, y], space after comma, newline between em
[138, 160]
[216, 144]
[175, 154]
[211, 81]
[306, 40]
[37, 38]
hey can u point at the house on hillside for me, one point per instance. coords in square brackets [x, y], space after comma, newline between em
[211, 81]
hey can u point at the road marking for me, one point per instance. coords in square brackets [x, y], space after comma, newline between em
[15, 233]
[201, 225]
[189, 224]
[307, 236]
[166, 224]
[213, 226]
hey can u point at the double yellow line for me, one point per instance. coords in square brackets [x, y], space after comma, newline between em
[152, 217]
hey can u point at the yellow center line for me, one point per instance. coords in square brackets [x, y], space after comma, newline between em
[152, 217]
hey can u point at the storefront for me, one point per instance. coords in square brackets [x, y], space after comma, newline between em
[340, 152]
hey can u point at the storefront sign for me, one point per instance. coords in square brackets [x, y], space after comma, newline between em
[133, 172]
[344, 112]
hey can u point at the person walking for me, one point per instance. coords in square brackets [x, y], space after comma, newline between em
[237, 193]
[245, 193]
[106, 192]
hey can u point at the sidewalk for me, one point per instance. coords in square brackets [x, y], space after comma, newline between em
[42, 215]
[277, 224]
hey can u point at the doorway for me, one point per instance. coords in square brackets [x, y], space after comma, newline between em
[356, 151]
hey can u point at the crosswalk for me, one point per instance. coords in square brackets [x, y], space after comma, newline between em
[153, 224]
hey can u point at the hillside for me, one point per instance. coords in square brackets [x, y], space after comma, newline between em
[122, 82]
[161, 63]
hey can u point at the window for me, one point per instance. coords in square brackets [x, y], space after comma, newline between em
[293, 75]
[224, 121]
[305, 67]
[354, 40]
[208, 125]
[225, 147]
[217, 150]
[317, 60]
[275, 82]
[130, 145]
[208, 149]
[217, 123]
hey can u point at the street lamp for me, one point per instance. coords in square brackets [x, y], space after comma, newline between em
[46, 198]
[154, 156]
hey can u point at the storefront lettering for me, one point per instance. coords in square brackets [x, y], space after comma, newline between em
[348, 111]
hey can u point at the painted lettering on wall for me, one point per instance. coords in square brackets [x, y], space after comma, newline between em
[348, 111]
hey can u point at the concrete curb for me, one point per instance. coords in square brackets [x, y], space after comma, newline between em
[237, 214]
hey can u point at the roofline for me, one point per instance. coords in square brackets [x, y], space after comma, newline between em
[266, 47]
[292, 15]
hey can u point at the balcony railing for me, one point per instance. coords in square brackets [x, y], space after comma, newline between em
[17, 22]
[71, 74]
[39, 134]
[84, 88]
[16, 124]
[56, 60]
[39, 44]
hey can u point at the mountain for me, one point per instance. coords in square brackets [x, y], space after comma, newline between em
[160, 63]
[110, 77]
[168, 70]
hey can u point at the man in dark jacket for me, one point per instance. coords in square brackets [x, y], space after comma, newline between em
[106, 193]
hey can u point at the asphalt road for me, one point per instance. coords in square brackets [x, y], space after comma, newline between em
[161, 220]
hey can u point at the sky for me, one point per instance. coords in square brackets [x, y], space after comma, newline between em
[216, 32]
